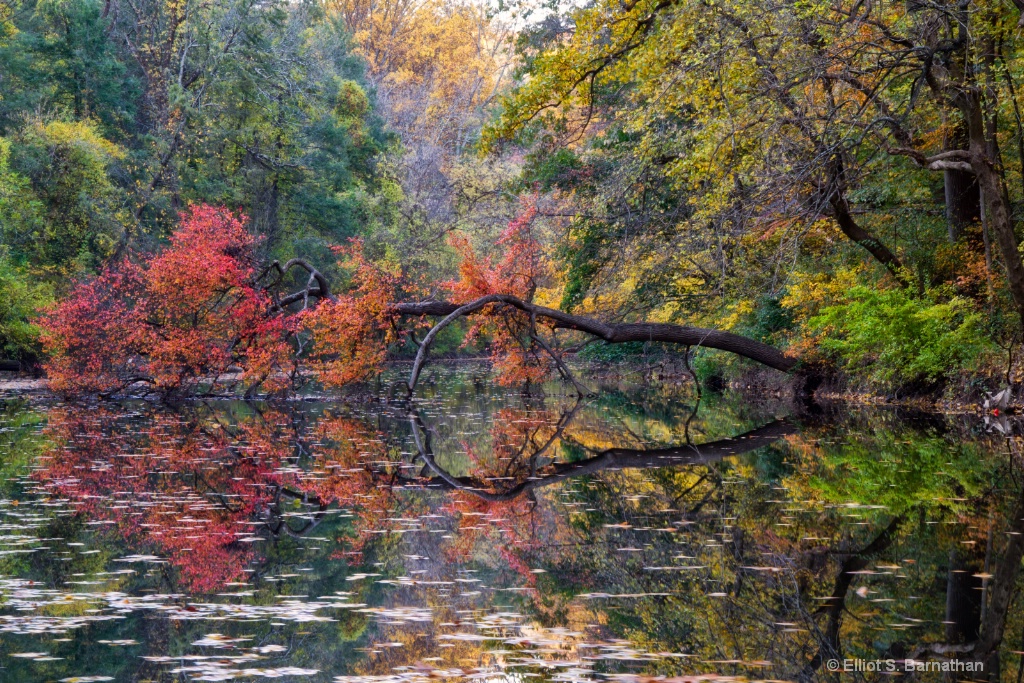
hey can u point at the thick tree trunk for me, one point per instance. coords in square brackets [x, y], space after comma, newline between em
[963, 201]
[857, 234]
[618, 333]
[318, 287]
[997, 213]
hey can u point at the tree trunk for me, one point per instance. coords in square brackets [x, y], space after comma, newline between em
[963, 201]
[997, 213]
[610, 332]
[997, 216]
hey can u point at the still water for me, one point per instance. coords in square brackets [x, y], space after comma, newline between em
[485, 535]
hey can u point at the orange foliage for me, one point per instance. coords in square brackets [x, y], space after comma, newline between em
[351, 334]
[963, 266]
[513, 353]
[92, 337]
[515, 273]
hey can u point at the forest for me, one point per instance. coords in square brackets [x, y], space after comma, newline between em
[478, 341]
[277, 191]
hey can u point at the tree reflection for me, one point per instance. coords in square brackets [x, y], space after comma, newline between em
[829, 544]
[201, 490]
[525, 470]
[763, 555]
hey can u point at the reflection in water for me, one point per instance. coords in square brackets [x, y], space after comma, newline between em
[484, 536]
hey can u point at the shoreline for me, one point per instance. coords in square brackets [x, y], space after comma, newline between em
[13, 385]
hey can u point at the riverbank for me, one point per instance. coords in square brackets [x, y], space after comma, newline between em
[758, 386]
[20, 383]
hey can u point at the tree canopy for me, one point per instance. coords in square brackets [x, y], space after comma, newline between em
[817, 187]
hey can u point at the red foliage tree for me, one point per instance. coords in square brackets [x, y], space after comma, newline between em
[514, 350]
[191, 312]
[197, 310]
[351, 333]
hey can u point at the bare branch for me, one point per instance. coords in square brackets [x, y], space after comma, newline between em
[954, 159]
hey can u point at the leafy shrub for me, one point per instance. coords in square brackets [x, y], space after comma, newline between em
[891, 339]
[19, 301]
[604, 352]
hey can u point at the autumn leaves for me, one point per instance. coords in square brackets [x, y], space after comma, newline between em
[199, 312]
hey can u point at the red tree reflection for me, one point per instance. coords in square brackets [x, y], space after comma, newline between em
[200, 493]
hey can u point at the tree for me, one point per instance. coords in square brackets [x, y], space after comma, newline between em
[776, 127]
[725, 80]
[436, 65]
[291, 136]
[189, 314]
[60, 213]
[258, 105]
[436, 69]
[21, 299]
[61, 61]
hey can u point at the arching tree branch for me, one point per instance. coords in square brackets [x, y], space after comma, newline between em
[322, 290]
[610, 332]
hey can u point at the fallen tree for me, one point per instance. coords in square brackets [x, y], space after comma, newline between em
[610, 333]
[201, 310]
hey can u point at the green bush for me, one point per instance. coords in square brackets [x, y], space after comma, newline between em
[20, 300]
[768, 320]
[603, 352]
[891, 339]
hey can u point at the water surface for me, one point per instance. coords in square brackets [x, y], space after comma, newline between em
[486, 535]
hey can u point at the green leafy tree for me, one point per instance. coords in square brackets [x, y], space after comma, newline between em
[60, 212]
[20, 298]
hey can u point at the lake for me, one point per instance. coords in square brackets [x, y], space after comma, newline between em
[480, 534]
